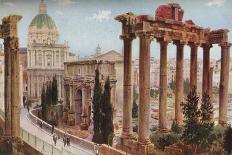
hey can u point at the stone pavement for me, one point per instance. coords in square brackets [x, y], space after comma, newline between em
[33, 129]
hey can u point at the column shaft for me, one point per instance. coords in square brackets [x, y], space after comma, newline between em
[193, 66]
[211, 82]
[206, 67]
[127, 89]
[144, 89]
[163, 86]
[224, 82]
[179, 82]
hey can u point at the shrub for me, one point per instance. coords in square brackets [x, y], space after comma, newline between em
[175, 128]
[161, 140]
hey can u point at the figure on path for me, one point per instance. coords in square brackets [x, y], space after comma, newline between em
[55, 138]
[68, 141]
[65, 140]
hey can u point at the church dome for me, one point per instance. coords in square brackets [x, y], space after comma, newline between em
[43, 20]
[42, 28]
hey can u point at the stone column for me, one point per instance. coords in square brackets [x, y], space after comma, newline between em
[71, 98]
[224, 82]
[144, 89]
[12, 93]
[193, 66]
[163, 86]
[179, 93]
[211, 82]
[127, 87]
[206, 67]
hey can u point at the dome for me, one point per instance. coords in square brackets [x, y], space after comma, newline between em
[43, 20]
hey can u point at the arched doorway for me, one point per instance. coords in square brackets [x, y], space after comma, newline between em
[78, 106]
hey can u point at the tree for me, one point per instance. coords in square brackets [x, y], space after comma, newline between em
[206, 123]
[191, 122]
[43, 104]
[227, 144]
[97, 109]
[107, 123]
[172, 85]
[134, 109]
[198, 127]
[54, 92]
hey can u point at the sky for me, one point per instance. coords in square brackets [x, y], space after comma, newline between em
[87, 23]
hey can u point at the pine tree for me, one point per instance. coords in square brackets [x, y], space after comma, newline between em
[97, 109]
[191, 122]
[227, 144]
[107, 123]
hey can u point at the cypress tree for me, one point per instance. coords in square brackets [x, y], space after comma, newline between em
[54, 93]
[191, 114]
[97, 109]
[107, 123]
[43, 104]
[134, 109]
[206, 123]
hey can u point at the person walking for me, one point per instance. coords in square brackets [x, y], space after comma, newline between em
[65, 140]
[68, 141]
[53, 129]
[55, 138]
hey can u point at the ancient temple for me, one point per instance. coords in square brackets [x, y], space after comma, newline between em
[167, 26]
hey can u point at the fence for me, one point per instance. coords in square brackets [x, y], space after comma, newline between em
[42, 146]
[103, 149]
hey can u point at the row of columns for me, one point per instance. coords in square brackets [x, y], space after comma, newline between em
[144, 82]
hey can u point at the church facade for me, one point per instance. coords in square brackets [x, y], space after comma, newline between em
[45, 56]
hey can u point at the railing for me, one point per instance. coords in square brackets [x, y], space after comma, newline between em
[103, 149]
[42, 146]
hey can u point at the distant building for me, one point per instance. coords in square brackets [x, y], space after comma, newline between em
[45, 56]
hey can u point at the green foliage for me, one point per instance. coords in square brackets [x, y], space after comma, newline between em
[54, 92]
[97, 109]
[43, 104]
[206, 124]
[227, 143]
[134, 109]
[175, 128]
[154, 93]
[161, 140]
[198, 127]
[49, 97]
[107, 122]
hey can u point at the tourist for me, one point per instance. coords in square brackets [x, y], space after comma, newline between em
[68, 141]
[64, 139]
[55, 138]
[53, 129]
[28, 108]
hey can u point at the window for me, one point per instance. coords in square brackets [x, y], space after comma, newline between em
[49, 60]
[40, 60]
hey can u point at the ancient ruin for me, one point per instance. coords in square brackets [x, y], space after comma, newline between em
[167, 26]
[8, 32]
[79, 86]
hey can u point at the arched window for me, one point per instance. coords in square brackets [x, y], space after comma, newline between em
[49, 60]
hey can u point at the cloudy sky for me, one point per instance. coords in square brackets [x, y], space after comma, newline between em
[87, 23]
